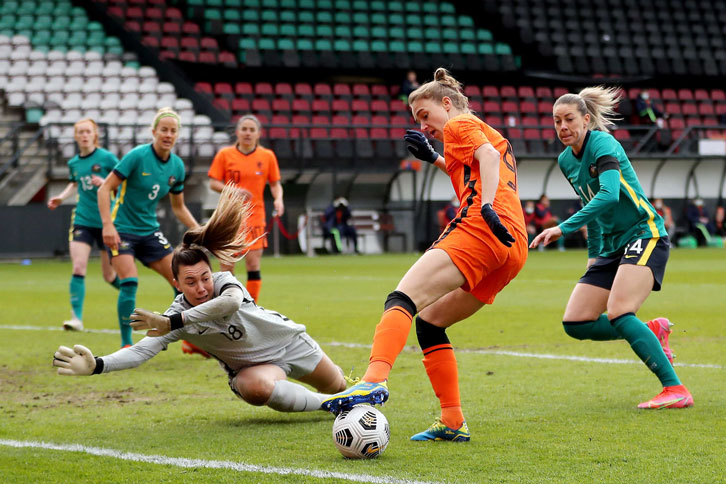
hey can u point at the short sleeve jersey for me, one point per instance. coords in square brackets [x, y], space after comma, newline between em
[146, 179]
[251, 172]
[463, 135]
[632, 217]
[81, 169]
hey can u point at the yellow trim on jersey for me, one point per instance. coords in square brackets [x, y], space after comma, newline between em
[70, 229]
[648, 250]
[641, 203]
[119, 201]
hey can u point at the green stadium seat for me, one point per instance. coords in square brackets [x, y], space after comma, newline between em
[414, 20]
[502, 49]
[250, 16]
[117, 50]
[306, 4]
[133, 64]
[378, 19]
[285, 44]
[251, 3]
[269, 16]
[231, 29]
[304, 44]
[247, 43]
[379, 33]
[266, 43]
[414, 47]
[41, 47]
[233, 4]
[485, 49]
[342, 31]
[97, 48]
[306, 30]
[79, 23]
[25, 33]
[446, 8]
[196, 3]
[467, 35]
[42, 22]
[214, 3]
[269, 30]
[395, 7]
[289, 4]
[62, 9]
[431, 21]
[360, 5]
[360, 45]
[7, 32]
[343, 5]
[414, 33]
[323, 44]
[324, 31]
[360, 18]
[483, 35]
[430, 7]
[361, 32]
[450, 34]
[8, 8]
[324, 17]
[432, 48]
[95, 38]
[396, 33]
[379, 46]
[75, 12]
[288, 30]
[414, 7]
[288, 16]
[396, 46]
[377, 6]
[33, 115]
[251, 29]
[25, 22]
[450, 48]
[7, 22]
[306, 17]
[466, 22]
[212, 14]
[342, 45]
[342, 18]
[324, 5]
[41, 37]
[396, 19]
[270, 4]
[467, 48]
[231, 15]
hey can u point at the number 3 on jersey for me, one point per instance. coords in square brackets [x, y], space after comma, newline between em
[154, 191]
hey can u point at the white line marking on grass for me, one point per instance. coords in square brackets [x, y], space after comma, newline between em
[208, 464]
[542, 356]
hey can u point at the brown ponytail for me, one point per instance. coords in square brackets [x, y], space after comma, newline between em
[221, 235]
[443, 85]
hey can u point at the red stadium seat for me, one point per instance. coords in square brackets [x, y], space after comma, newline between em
[135, 13]
[685, 94]
[706, 109]
[530, 121]
[398, 127]
[510, 107]
[321, 120]
[150, 41]
[379, 133]
[221, 88]
[701, 95]
[173, 14]
[281, 105]
[508, 92]
[397, 106]
[359, 105]
[190, 44]
[132, 26]
[227, 58]
[560, 91]
[171, 28]
[261, 105]
[203, 87]
[240, 105]
[169, 43]
[301, 106]
[208, 58]
[209, 44]
[693, 121]
[361, 123]
[494, 120]
[672, 108]
[277, 133]
[302, 89]
[283, 89]
[341, 90]
[243, 89]
[190, 28]
[676, 123]
[475, 105]
[689, 109]
[472, 92]
[380, 121]
[492, 107]
[222, 103]
[669, 95]
[525, 92]
[264, 89]
[527, 107]
[280, 119]
[322, 90]
[545, 107]
[543, 92]
[361, 91]
[187, 56]
[341, 105]
[340, 120]
[718, 95]
[621, 134]
[151, 28]
[154, 13]
[318, 133]
[379, 106]
[339, 133]
[379, 91]
[490, 92]
[532, 134]
[321, 106]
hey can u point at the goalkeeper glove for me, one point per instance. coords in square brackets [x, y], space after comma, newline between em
[498, 229]
[420, 147]
[157, 324]
[78, 361]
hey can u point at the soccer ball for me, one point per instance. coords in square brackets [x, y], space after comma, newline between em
[361, 432]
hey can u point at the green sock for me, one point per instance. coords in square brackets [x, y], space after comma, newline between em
[126, 305]
[599, 330]
[647, 347]
[116, 283]
[78, 294]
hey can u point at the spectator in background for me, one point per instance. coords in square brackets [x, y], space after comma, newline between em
[647, 111]
[579, 238]
[448, 213]
[529, 220]
[699, 223]
[409, 85]
[719, 223]
[665, 212]
[335, 225]
[544, 219]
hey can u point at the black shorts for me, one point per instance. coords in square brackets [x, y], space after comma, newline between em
[146, 248]
[652, 253]
[87, 235]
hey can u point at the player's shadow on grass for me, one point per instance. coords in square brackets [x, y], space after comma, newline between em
[284, 419]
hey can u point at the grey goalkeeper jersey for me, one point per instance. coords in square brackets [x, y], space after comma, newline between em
[230, 327]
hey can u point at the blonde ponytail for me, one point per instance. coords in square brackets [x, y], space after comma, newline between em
[443, 85]
[599, 102]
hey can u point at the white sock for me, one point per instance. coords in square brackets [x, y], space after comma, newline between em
[292, 397]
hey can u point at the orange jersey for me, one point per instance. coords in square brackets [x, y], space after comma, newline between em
[463, 135]
[250, 172]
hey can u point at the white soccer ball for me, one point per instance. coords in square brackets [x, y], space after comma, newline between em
[361, 432]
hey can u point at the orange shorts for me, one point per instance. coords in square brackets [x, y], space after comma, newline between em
[257, 231]
[486, 264]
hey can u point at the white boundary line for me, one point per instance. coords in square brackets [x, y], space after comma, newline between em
[518, 354]
[208, 464]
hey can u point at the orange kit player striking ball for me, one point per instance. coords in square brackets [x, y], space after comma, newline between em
[250, 167]
[479, 252]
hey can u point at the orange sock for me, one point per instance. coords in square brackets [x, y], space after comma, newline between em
[440, 364]
[388, 341]
[253, 287]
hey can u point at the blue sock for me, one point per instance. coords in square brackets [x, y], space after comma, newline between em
[78, 294]
[126, 305]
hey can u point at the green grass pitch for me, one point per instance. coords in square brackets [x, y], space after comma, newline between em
[533, 420]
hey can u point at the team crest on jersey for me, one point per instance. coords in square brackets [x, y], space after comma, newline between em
[96, 168]
[593, 171]
[172, 181]
[259, 168]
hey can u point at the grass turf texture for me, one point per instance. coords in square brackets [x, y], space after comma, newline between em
[532, 420]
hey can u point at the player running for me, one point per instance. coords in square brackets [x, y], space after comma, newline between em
[250, 167]
[86, 173]
[131, 231]
[258, 348]
[480, 251]
[627, 242]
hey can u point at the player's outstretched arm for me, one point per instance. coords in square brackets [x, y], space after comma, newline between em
[78, 361]
[156, 324]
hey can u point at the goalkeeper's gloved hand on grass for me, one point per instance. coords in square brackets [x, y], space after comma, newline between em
[419, 146]
[156, 324]
[78, 361]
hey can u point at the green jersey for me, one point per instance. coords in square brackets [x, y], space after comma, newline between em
[615, 209]
[81, 170]
[146, 179]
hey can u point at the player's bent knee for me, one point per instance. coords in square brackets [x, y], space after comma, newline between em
[254, 392]
[400, 299]
[577, 329]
